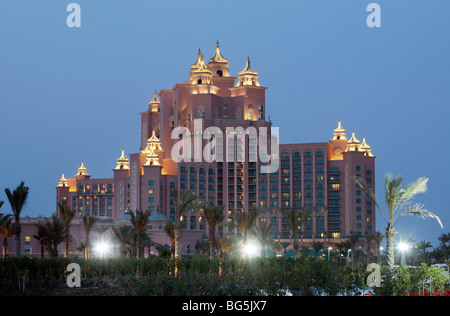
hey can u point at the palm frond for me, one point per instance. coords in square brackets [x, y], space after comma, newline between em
[411, 190]
[418, 210]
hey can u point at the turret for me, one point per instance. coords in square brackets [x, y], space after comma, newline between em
[248, 77]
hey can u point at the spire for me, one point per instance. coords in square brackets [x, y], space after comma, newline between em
[122, 162]
[218, 65]
[82, 171]
[196, 65]
[339, 133]
[62, 181]
[153, 146]
[366, 148]
[353, 144]
[153, 105]
[248, 77]
[199, 73]
[218, 58]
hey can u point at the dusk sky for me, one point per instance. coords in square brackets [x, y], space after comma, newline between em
[74, 94]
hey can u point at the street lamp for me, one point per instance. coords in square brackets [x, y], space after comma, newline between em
[348, 256]
[329, 249]
[404, 247]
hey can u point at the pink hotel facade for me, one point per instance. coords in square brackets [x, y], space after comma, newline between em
[315, 176]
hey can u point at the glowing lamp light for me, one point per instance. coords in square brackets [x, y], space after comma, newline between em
[102, 248]
[403, 246]
[251, 249]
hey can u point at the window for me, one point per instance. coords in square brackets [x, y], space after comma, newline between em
[226, 111]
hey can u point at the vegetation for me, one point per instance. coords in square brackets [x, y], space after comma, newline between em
[399, 203]
[218, 267]
[17, 199]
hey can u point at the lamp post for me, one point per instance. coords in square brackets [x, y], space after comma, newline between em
[403, 248]
[348, 256]
[329, 249]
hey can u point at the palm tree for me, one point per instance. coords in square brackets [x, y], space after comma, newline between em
[89, 223]
[354, 240]
[6, 231]
[378, 238]
[41, 236]
[55, 233]
[67, 214]
[125, 236]
[317, 247]
[295, 220]
[399, 203]
[169, 229]
[423, 245]
[284, 245]
[183, 202]
[213, 216]
[263, 235]
[370, 237]
[340, 246]
[245, 221]
[140, 221]
[17, 199]
[224, 245]
[444, 239]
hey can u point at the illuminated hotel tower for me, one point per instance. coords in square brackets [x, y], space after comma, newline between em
[313, 176]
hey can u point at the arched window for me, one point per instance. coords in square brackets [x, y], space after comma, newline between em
[199, 81]
[219, 73]
[201, 112]
[250, 112]
[261, 111]
[226, 111]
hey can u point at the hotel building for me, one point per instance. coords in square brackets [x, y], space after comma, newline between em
[312, 176]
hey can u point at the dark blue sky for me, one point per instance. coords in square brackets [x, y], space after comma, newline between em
[68, 95]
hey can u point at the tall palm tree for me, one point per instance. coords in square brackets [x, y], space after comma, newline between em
[263, 234]
[183, 201]
[89, 223]
[284, 245]
[317, 246]
[67, 214]
[354, 240]
[55, 234]
[370, 237]
[444, 239]
[224, 245]
[125, 236]
[6, 231]
[213, 216]
[295, 219]
[140, 220]
[41, 236]
[340, 249]
[169, 229]
[423, 246]
[378, 238]
[17, 199]
[245, 221]
[399, 202]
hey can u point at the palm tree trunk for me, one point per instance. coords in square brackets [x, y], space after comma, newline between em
[66, 249]
[390, 235]
[295, 249]
[178, 247]
[17, 232]
[5, 248]
[212, 243]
